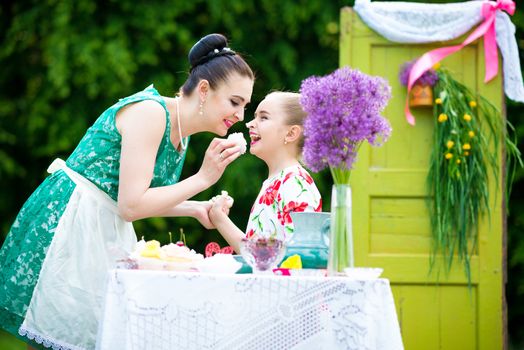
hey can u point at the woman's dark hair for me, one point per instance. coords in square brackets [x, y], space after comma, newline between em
[212, 60]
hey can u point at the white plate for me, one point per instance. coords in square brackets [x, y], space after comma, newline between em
[363, 273]
[219, 263]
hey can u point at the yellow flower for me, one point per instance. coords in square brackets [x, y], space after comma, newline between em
[292, 262]
[442, 118]
[450, 144]
[466, 147]
[458, 161]
[472, 104]
[466, 153]
[449, 155]
[467, 117]
[436, 66]
[438, 101]
[471, 134]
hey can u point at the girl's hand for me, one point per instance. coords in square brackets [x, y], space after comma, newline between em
[219, 155]
[220, 206]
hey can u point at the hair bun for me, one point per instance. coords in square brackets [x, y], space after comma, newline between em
[208, 47]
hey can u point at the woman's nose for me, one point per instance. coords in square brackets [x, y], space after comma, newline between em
[240, 115]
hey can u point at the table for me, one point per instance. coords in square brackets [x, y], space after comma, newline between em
[154, 310]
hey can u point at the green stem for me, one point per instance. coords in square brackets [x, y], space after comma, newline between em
[341, 247]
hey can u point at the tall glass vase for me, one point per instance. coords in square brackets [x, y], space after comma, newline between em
[341, 236]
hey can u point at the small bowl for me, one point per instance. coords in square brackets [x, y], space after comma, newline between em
[363, 273]
[262, 254]
[219, 263]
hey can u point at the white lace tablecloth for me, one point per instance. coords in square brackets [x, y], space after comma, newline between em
[154, 310]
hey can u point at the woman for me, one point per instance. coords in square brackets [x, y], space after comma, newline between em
[276, 138]
[75, 226]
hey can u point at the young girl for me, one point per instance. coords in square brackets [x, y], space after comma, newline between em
[54, 262]
[276, 138]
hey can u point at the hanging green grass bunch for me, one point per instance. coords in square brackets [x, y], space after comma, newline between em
[466, 148]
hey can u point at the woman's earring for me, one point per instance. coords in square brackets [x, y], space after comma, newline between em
[285, 142]
[201, 108]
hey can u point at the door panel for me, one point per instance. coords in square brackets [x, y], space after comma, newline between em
[391, 225]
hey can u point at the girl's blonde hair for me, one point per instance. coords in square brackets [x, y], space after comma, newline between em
[294, 114]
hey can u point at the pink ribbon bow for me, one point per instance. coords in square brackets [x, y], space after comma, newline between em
[486, 29]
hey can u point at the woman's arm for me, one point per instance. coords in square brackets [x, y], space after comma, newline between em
[218, 215]
[196, 209]
[142, 127]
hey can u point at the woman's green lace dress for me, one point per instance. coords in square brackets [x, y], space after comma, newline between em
[54, 261]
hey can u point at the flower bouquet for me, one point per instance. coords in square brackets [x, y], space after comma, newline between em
[468, 134]
[344, 110]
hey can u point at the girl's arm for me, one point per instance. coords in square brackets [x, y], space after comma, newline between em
[142, 127]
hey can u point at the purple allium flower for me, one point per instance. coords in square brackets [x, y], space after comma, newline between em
[343, 110]
[430, 77]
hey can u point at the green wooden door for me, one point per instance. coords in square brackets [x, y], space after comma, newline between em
[390, 219]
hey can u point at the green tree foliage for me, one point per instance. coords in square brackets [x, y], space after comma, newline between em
[62, 62]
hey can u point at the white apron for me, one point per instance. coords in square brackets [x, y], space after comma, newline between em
[66, 304]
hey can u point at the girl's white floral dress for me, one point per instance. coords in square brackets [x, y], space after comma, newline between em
[291, 190]
[54, 261]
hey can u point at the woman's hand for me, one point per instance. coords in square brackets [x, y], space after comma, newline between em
[219, 155]
[201, 213]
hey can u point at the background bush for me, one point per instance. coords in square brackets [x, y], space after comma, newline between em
[63, 62]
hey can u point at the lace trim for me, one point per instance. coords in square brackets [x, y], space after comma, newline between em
[46, 341]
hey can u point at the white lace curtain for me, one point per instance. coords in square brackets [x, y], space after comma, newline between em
[407, 22]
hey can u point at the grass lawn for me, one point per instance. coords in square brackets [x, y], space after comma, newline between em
[10, 342]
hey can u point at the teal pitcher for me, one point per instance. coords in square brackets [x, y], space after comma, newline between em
[310, 239]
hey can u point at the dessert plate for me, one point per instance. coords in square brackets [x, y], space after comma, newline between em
[363, 273]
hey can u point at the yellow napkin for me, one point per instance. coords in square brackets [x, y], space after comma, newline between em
[292, 262]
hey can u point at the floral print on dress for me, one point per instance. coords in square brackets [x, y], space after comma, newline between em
[271, 194]
[284, 215]
[250, 233]
[291, 190]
